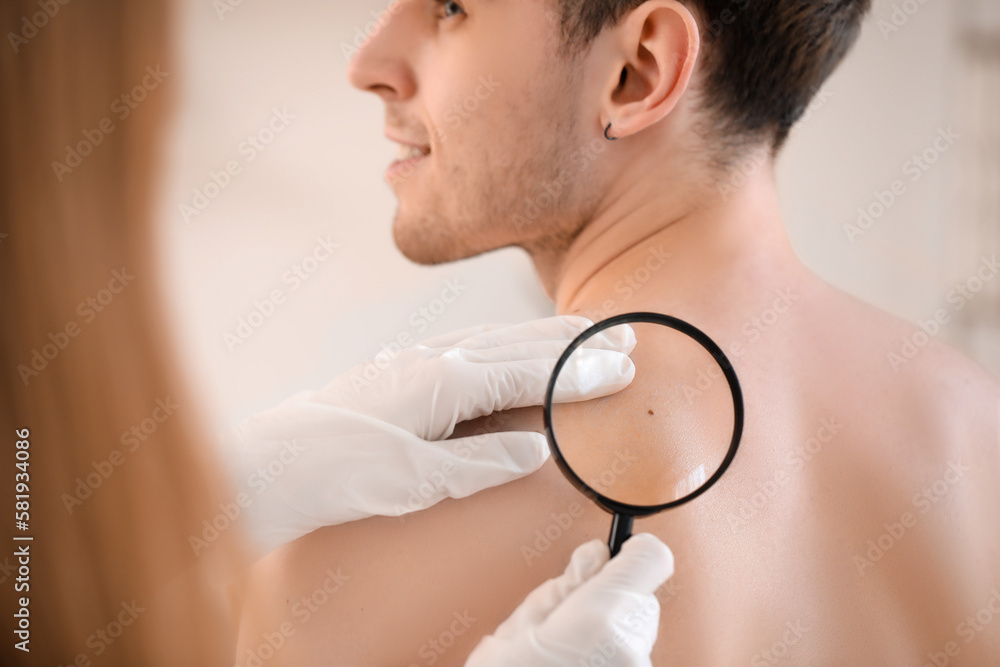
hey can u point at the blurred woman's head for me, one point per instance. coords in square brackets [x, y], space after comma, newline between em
[119, 472]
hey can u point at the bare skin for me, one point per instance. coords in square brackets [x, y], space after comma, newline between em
[839, 449]
[859, 521]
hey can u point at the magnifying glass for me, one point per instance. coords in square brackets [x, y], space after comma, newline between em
[663, 440]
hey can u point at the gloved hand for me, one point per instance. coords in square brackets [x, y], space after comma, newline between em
[597, 612]
[365, 446]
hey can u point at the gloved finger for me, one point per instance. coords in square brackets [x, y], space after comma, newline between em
[591, 374]
[490, 388]
[521, 384]
[585, 562]
[642, 565]
[622, 593]
[619, 339]
[624, 625]
[561, 327]
[479, 462]
[451, 338]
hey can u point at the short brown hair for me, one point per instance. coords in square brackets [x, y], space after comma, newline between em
[763, 59]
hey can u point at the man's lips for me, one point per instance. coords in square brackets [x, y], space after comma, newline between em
[406, 151]
[409, 156]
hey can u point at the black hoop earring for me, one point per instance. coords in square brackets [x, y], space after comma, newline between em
[606, 133]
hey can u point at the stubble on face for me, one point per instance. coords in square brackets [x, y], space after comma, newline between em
[508, 175]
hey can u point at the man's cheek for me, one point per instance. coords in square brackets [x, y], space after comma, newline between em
[452, 118]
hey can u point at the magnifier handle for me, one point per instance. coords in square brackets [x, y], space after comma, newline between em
[621, 530]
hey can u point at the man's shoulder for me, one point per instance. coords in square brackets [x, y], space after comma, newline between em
[920, 350]
[916, 370]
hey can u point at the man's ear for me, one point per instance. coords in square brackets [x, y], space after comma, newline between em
[656, 47]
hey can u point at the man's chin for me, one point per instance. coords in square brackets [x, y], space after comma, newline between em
[421, 243]
[422, 256]
[430, 241]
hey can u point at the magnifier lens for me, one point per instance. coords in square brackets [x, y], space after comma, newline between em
[662, 437]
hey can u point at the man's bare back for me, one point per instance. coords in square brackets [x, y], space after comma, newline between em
[857, 524]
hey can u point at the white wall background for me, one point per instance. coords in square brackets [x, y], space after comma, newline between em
[321, 176]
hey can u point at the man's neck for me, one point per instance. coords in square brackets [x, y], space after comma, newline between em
[735, 228]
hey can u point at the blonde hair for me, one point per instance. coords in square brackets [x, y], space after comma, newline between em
[120, 473]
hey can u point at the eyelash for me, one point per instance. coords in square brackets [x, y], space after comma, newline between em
[443, 4]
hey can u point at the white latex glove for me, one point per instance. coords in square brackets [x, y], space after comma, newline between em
[365, 446]
[599, 612]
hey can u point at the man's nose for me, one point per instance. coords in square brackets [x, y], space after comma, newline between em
[381, 65]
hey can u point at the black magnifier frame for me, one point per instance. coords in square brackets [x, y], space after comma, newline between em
[624, 513]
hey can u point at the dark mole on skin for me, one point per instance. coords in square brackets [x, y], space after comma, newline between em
[650, 412]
